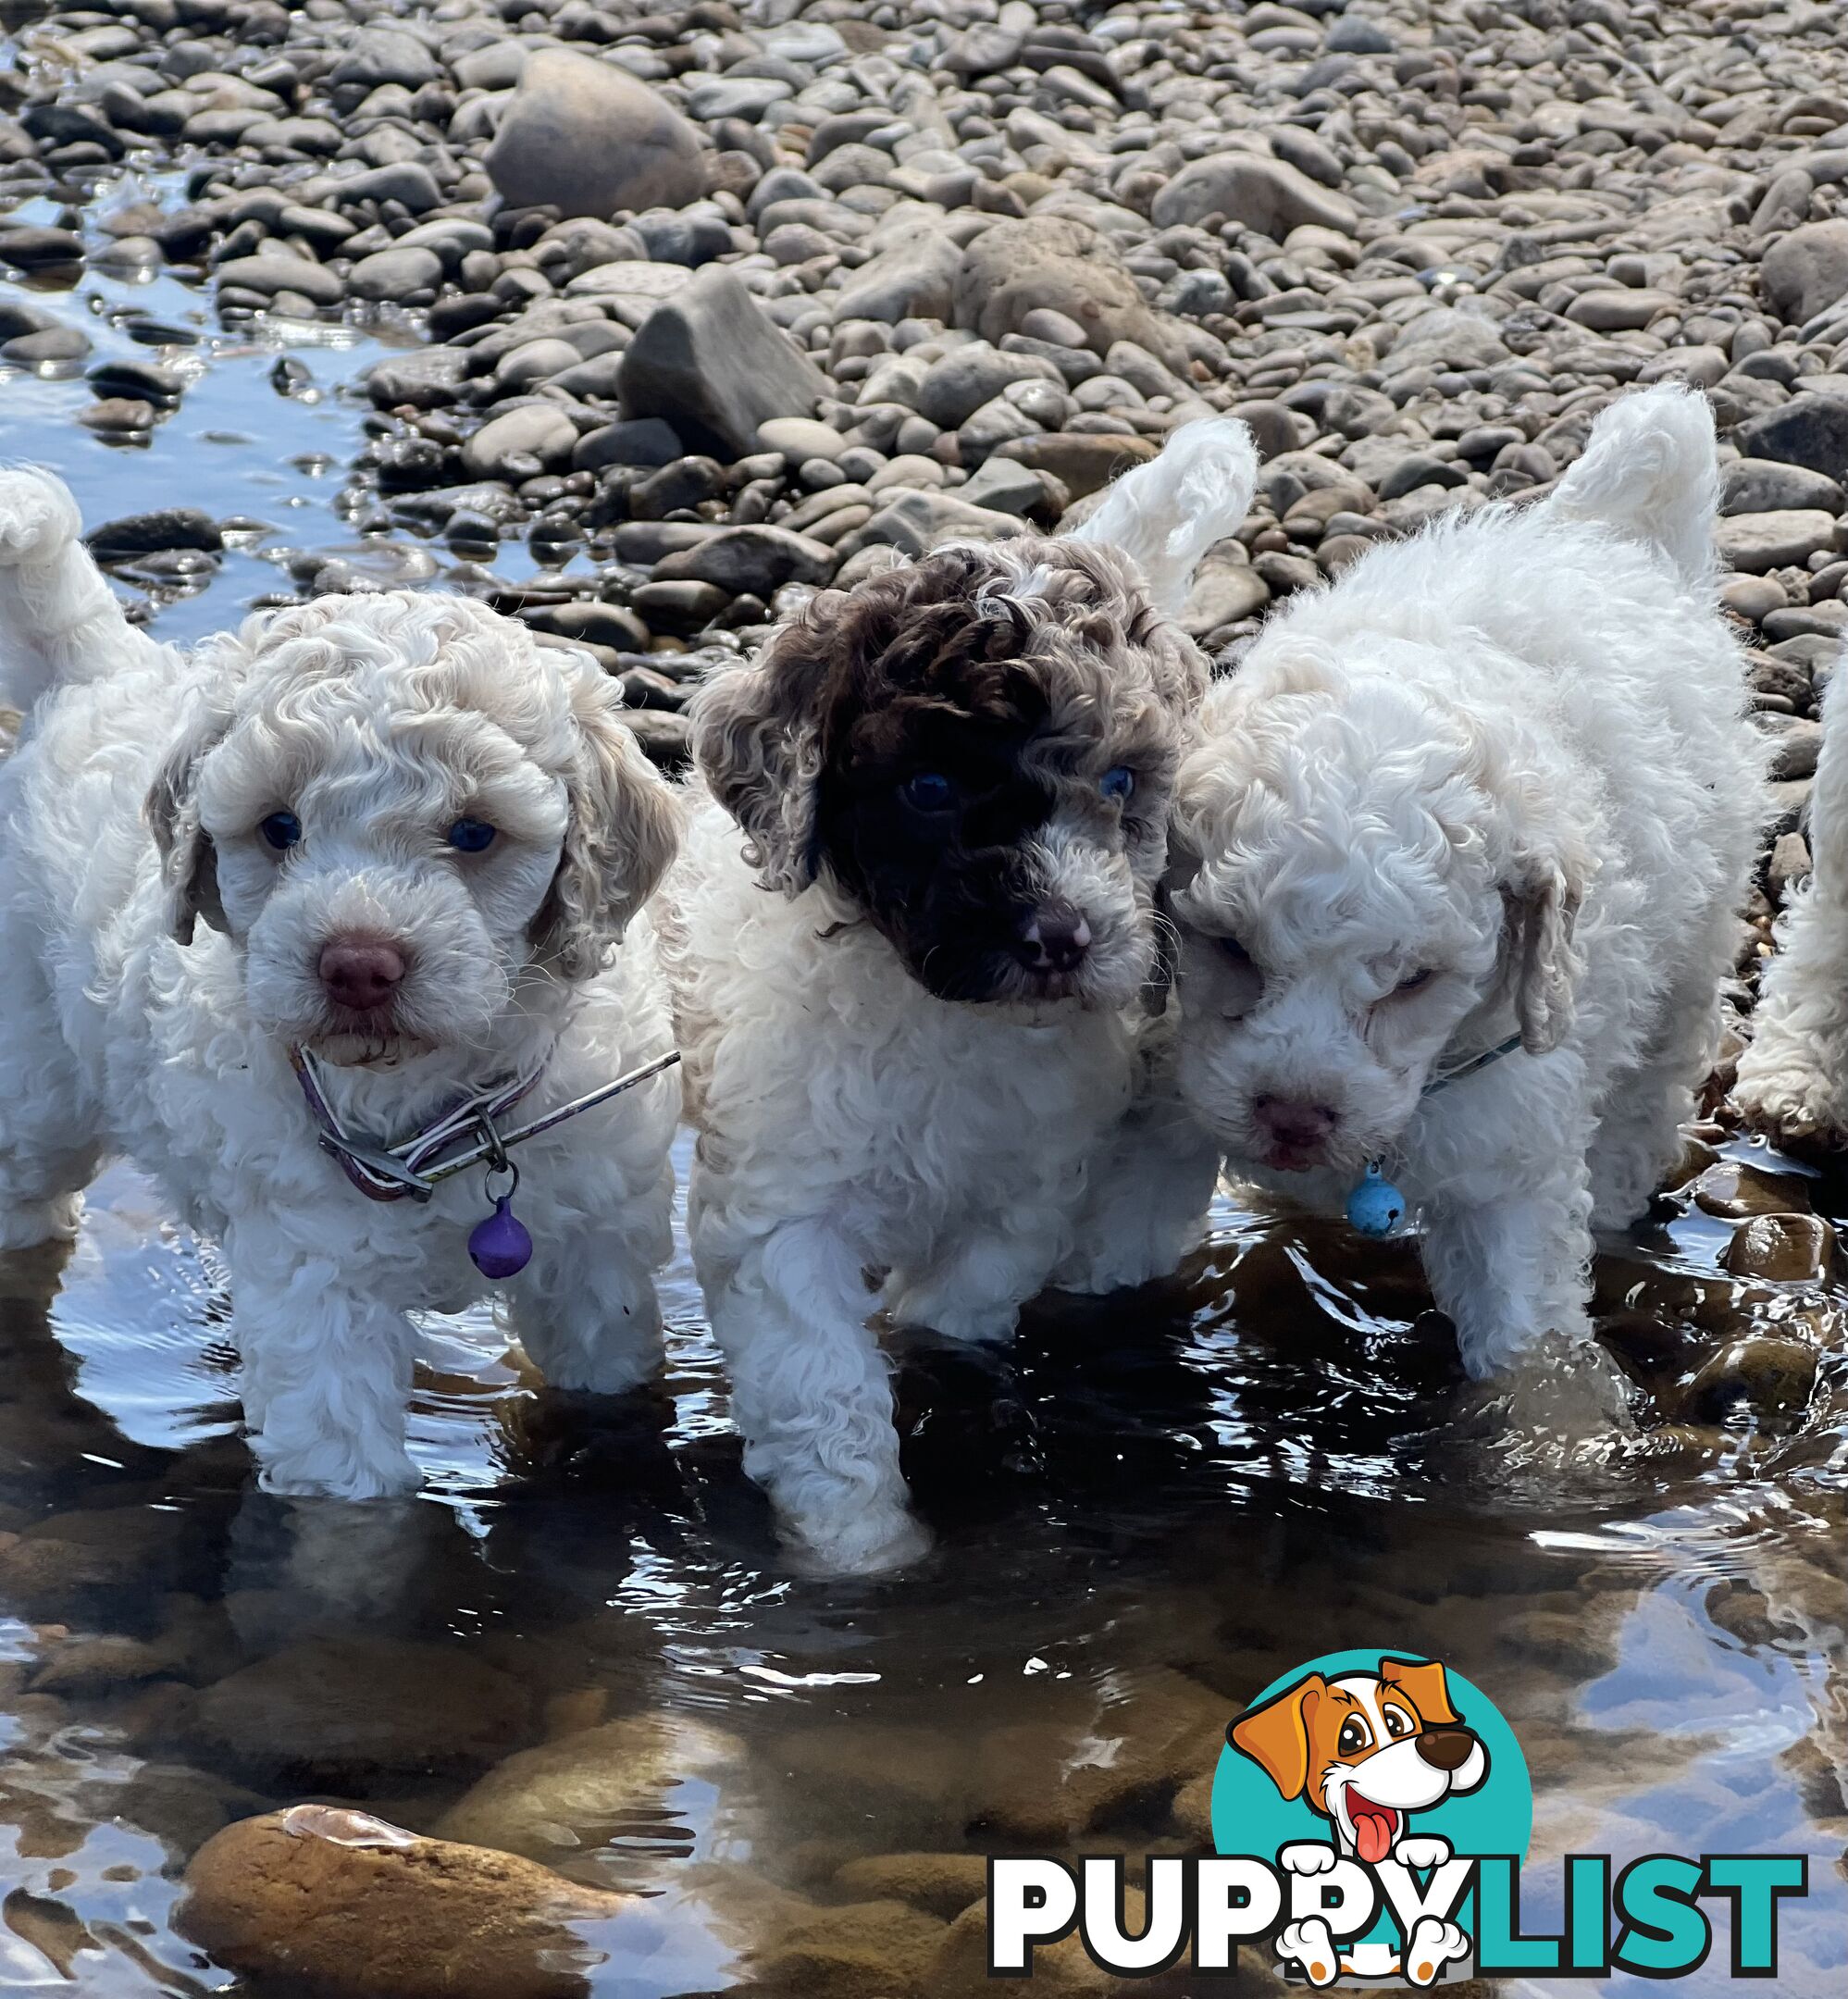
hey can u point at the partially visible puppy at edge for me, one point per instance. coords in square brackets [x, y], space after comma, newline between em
[909, 937]
[1794, 1077]
[1459, 869]
[387, 832]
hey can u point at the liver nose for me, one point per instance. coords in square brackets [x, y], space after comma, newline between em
[361, 974]
[1287, 1121]
[1445, 1748]
[1056, 940]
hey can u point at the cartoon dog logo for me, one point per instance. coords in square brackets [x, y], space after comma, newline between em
[1365, 1750]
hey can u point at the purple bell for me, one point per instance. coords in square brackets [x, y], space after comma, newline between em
[500, 1247]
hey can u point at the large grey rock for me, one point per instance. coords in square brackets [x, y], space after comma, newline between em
[915, 522]
[1766, 486]
[589, 139]
[758, 560]
[915, 279]
[521, 442]
[716, 367]
[271, 272]
[1265, 194]
[1058, 264]
[1807, 269]
[1761, 542]
[1810, 430]
[377, 56]
[1446, 337]
[427, 377]
[956, 386]
[396, 273]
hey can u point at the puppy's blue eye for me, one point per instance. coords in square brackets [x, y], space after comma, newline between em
[471, 836]
[928, 791]
[1117, 782]
[281, 829]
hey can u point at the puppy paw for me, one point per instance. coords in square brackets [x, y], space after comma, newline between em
[331, 1474]
[870, 1542]
[1433, 1944]
[26, 1224]
[1309, 1946]
[1308, 1858]
[1421, 1851]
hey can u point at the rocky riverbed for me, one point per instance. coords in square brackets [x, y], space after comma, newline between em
[642, 324]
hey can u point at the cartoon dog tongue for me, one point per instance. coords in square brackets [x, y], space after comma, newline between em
[1373, 1827]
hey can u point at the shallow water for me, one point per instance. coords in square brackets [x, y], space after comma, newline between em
[1147, 1509]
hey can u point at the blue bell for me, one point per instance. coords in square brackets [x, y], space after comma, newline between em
[1376, 1207]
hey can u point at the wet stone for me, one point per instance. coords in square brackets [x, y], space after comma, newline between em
[360, 1908]
[1785, 1249]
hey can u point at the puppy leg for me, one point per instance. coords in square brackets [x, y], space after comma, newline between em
[1509, 1268]
[1145, 1207]
[1639, 1134]
[47, 1153]
[812, 1396]
[1513, 1274]
[585, 1308]
[974, 1290]
[585, 1314]
[327, 1371]
[1793, 1078]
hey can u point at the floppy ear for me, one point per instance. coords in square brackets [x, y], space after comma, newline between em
[1276, 1736]
[757, 741]
[1542, 903]
[1427, 1684]
[621, 835]
[188, 869]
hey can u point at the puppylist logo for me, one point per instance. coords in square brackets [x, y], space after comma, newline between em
[1370, 1818]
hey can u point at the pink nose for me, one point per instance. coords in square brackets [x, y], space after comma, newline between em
[1293, 1126]
[361, 973]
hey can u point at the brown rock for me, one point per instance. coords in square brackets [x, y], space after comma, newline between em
[1772, 1373]
[568, 1794]
[1056, 262]
[589, 139]
[340, 1714]
[1787, 1249]
[850, 1952]
[943, 1885]
[1059, 1969]
[1084, 460]
[1735, 1192]
[1048, 1781]
[344, 1904]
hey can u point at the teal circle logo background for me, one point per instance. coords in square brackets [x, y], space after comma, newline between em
[1249, 1816]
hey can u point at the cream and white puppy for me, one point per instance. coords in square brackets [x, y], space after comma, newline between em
[1494, 783]
[1793, 1078]
[908, 938]
[388, 830]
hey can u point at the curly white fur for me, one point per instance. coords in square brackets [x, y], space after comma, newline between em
[163, 960]
[863, 1141]
[1497, 778]
[1793, 1078]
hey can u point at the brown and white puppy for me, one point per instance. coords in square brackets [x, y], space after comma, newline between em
[908, 938]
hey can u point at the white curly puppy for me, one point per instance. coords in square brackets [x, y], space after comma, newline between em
[908, 938]
[388, 835]
[1460, 868]
[1793, 1078]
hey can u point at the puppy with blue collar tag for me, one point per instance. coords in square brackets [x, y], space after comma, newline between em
[1459, 864]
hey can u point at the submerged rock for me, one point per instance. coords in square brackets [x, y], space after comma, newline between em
[348, 1904]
